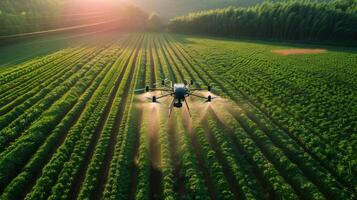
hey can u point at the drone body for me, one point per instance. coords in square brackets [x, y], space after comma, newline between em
[179, 92]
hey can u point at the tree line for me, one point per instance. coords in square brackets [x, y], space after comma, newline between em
[27, 16]
[18, 16]
[286, 20]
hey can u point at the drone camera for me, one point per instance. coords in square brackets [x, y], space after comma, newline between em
[178, 104]
[147, 88]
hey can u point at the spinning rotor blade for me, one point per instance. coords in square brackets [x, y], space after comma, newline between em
[139, 90]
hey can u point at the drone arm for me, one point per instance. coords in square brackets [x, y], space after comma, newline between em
[171, 107]
[199, 96]
[165, 95]
[196, 89]
[160, 89]
[188, 108]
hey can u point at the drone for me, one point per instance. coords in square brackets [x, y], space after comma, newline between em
[179, 92]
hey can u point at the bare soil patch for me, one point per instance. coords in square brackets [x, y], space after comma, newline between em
[286, 52]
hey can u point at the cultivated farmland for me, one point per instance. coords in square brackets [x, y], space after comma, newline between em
[283, 127]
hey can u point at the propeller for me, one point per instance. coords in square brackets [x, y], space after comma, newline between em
[146, 89]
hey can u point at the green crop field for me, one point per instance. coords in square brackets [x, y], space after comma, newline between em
[283, 126]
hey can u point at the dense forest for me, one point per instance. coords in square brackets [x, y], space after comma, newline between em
[286, 20]
[171, 8]
[23, 16]
[26, 16]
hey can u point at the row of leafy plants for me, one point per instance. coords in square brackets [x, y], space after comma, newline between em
[17, 120]
[24, 82]
[110, 129]
[56, 121]
[334, 152]
[32, 65]
[39, 85]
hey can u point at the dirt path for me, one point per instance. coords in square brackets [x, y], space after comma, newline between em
[286, 52]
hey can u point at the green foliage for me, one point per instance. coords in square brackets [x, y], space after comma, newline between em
[31, 16]
[25, 16]
[283, 129]
[154, 22]
[170, 8]
[292, 20]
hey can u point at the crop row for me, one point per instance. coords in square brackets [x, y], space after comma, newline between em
[178, 74]
[118, 182]
[62, 189]
[24, 82]
[32, 65]
[273, 87]
[142, 185]
[310, 143]
[20, 118]
[37, 133]
[47, 148]
[168, 165]
[55, 166]
[181, 68]
[17, 97]
[111, 125]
